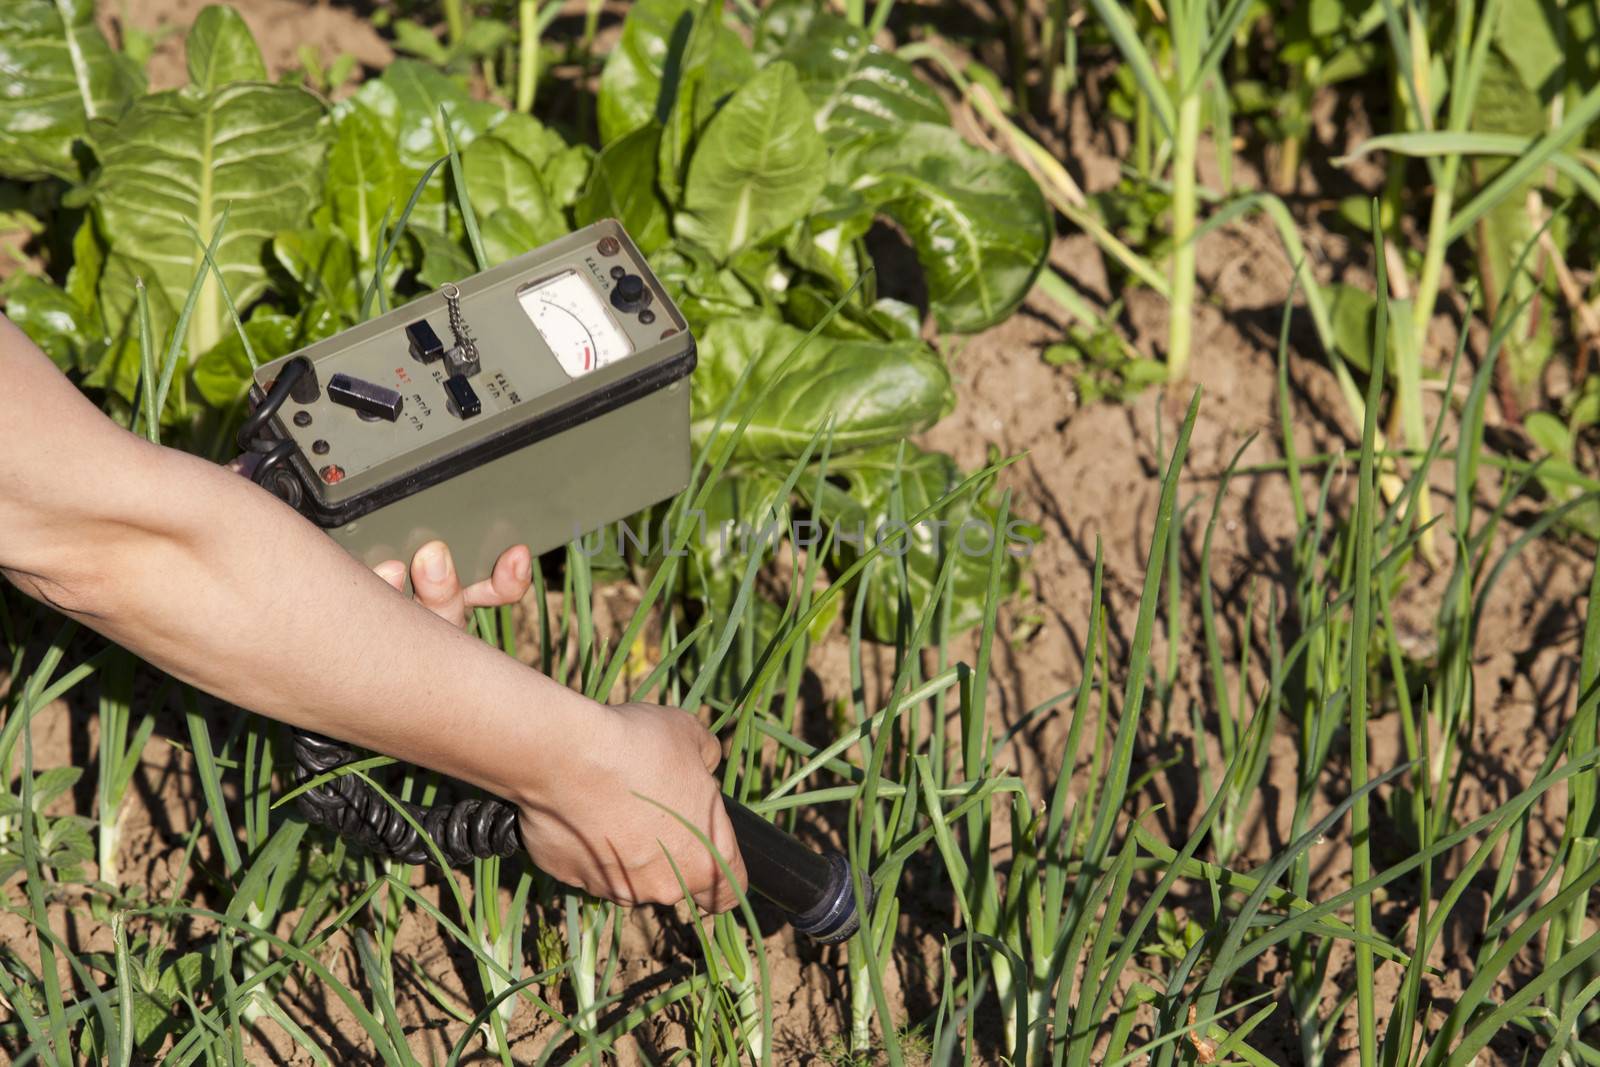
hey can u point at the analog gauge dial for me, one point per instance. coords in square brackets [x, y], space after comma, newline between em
[576, 324]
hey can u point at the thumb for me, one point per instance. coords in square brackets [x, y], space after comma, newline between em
[710, 750]
[438, 587]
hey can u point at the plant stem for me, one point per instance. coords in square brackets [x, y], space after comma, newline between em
[1360, 643]
[591, 24]
[1180, 323]
[1427, 292]
[455, 20]
[114, 715]
[528, 54]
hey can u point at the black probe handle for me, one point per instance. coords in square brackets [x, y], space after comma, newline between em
[813, 887]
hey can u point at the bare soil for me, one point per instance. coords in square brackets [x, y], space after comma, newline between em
[1090, 477]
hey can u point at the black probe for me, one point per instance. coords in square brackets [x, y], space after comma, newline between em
[813, 888]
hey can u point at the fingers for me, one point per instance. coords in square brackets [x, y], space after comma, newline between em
[513, 574]
[437, 586]
[652, 878]
[704, 741]
[715, 893]
[393, 572]
[703, 876]
[710, 750]
[720, 895]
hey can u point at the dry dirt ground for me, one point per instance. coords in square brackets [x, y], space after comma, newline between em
[1089, 475]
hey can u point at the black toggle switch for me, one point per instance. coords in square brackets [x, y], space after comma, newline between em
[425, 344]
[629, 294]
[366, 398]
[466, 398]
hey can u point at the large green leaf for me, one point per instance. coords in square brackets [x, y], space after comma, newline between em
[182, 157]
[566, 174]
[703, 290]
[563, 169]
[806, 306]
[622, 186]
[88, 263]
[1543, 40]
[365, 181]
[509, 233]
[508, 197]
[854, 85]
[118, 368]
[736, 519]
[443, 258]
[59, 73]
[757, 168]
[64, 321]
[783, 22]
[640, 80]
[827, 242]
[220, 49]
[499, 176]
[48, 314]
[323, 265]
[408, 99]
[977, 220]
[874, 392]
[887, 486]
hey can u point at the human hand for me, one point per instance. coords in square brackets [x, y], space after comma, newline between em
[433, 572]
[599, 830]
[438, 587]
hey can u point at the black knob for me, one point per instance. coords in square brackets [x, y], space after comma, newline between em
[305, 389]
[629, 294]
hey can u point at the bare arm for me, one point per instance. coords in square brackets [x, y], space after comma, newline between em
[214, 580]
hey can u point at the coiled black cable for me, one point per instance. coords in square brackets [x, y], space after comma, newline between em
[464, 831]
[270, 472]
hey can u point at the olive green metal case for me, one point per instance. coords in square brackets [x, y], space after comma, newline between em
[559, 446]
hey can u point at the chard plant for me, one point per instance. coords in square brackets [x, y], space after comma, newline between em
[751, 177]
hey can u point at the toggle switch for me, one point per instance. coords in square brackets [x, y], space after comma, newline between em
[425, 344]
[465, 397]
[364, 397]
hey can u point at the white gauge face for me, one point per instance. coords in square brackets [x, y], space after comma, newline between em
[575, 323]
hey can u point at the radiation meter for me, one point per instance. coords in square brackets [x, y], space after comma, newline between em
[528, 404]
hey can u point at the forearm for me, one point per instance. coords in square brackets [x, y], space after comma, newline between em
[214, 580]
[246, 600]
[222, 585]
